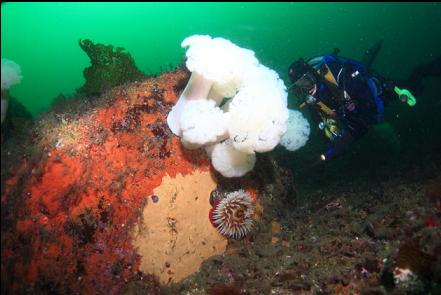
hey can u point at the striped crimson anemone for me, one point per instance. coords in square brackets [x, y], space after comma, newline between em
[232, 216]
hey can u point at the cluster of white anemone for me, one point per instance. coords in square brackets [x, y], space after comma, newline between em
[232, 106]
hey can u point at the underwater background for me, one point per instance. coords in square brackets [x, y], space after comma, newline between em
[43, 39]
[85, 172]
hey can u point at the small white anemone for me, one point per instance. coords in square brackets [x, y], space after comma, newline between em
[230, 162]
[297, 133]
[402, 275]
[197, 88]
[11, 75]
[202, 122]
[259, 113]
[220, 61]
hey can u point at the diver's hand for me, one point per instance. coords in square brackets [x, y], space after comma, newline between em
[339, 146]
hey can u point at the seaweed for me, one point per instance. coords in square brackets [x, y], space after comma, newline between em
[109, 67]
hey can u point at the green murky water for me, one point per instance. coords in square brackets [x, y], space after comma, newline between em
[43, 37]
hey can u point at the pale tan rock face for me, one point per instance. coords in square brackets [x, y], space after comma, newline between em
[175, 235]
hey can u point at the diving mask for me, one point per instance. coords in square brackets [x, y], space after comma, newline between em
[302, 75]
[305, 86]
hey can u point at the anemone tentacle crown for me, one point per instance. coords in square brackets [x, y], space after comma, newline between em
[232, 215]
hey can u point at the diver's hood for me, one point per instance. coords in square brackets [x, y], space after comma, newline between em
[298, 69]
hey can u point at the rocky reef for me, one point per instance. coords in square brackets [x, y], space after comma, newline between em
[18, 118]
[96, 188]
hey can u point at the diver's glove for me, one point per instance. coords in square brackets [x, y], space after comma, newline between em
[405, 96]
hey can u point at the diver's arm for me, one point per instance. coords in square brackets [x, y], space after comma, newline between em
[339, 146]
[393, 89]
[422, 71]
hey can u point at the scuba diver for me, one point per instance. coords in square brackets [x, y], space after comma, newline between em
[346, 97]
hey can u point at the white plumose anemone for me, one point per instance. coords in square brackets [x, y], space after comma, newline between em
[258, 113]
[11, 75]
[218, 67]
[202, 122]
[197, 87]
[297, 133]
[252, 121]
[231, 162]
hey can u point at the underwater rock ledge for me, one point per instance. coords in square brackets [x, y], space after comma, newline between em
[75, 186]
